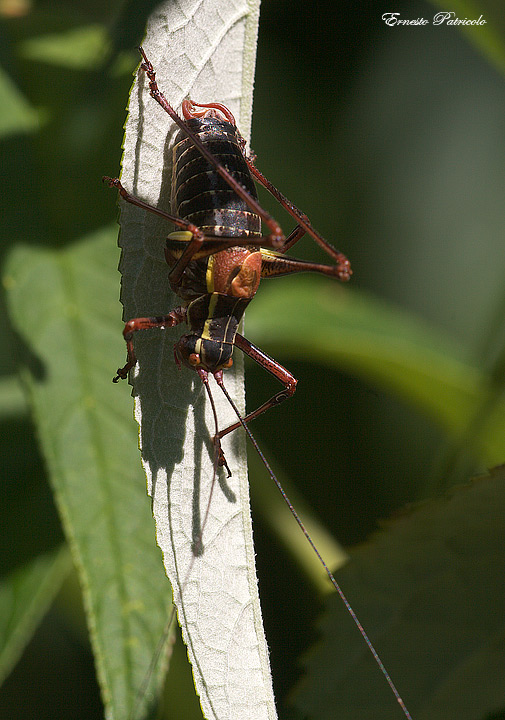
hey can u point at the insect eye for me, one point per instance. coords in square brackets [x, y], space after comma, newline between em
[194, 359]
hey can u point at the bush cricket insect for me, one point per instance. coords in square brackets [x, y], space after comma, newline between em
[217, 258]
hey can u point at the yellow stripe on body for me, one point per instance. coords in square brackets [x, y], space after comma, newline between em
[212, 306]
[271, 253]
[228, 323]
[181, 236]
[209, 275]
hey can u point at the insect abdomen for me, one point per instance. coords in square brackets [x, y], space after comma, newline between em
[199, 194]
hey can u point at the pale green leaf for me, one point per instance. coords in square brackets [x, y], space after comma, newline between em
[205, 51]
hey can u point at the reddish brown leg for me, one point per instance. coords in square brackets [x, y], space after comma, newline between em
[175, 317]
[343, 267]
[196, 242]
[274, 368]
[179, 222]
[277, 265]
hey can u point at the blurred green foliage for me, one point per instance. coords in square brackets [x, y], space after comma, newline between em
[391, 140]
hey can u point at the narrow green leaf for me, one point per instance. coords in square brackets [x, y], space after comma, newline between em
[382, 344]
[282, 525]
[207, 52]
[12, 398]
[429, 588]
[79, 48]
[17, 116]
[488, 38]
[25, 595]
[63, 305]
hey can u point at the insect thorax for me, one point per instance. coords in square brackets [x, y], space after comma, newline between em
[216, 316]
[214, 320]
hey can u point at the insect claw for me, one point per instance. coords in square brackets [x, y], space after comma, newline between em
[146, 64]
[122, 374]
[221, 460]
[344, 269]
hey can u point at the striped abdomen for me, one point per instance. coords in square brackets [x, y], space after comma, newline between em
[199, 194]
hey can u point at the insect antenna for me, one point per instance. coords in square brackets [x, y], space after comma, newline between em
[361, 629]
[219, 461]
[142, 690]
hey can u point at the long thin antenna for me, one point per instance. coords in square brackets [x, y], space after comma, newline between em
[333, 581]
